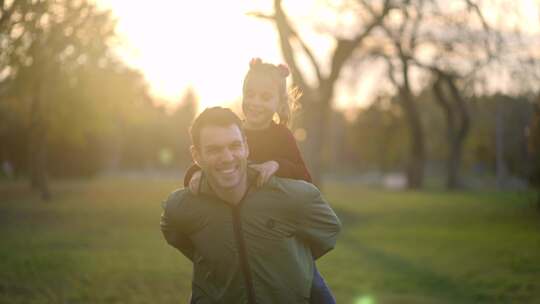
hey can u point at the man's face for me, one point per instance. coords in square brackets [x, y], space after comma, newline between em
[222, 155]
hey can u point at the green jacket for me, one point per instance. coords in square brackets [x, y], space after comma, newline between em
[262, 249]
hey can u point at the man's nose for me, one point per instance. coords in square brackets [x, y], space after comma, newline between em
[227, 155]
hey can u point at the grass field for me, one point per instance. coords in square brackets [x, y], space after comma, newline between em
[99, 242]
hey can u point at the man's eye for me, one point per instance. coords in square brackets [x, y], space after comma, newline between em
[249, 94]
[236, 146]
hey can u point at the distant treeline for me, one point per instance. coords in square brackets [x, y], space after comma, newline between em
[139, 135]
[145, 136]
[69, 106]
[377, 138]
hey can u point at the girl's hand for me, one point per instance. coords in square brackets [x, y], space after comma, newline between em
[266, 170]
[195, 182]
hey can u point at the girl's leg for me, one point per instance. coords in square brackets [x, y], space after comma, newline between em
[320, 293]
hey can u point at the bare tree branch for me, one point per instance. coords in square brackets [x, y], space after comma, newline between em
[460, 101]
[7, 12]
[478, 12]
[416, 25]
[444, 103]
[345, 48]
[284, 27]
[294, 34]
[390, 69]
[485, 25]
[261, 16]
[309, 55]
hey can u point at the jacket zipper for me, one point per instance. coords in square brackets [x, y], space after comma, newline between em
[242, 252]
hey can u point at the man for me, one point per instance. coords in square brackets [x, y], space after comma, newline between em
[247, 244]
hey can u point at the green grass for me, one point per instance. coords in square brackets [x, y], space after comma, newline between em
[99, 242]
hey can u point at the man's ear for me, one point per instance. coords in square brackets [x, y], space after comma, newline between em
[195, 155]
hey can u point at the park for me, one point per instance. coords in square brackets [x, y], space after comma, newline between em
[418, 121]
[99, 242]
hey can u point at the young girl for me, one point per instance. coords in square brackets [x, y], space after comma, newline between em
[272, 147]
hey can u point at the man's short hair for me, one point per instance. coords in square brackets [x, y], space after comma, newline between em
[214, 116]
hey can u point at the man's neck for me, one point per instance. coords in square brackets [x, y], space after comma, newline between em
[233, 195]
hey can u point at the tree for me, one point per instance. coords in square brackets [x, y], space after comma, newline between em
[383, 120]
[451, 44]
[47, 42]
[534, 150]
[397, 47]
[181, 120]
[457, 124]
[458, 59]
[317, 98]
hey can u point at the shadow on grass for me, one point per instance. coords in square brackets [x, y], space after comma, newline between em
[420, 279]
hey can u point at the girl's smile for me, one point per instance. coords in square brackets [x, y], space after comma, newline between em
[260, 102]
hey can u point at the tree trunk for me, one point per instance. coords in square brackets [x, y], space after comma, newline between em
[40, 159]
[500, 166]
[415, 169]
[38, 145]
[313, 145]
[449, 114]
[453, 164]
[318, 105]
[456, 112]
[315, 119]
[458, 138]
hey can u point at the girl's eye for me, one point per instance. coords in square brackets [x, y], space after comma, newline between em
[212, 150]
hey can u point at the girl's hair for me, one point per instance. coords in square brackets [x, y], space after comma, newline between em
[288, 100]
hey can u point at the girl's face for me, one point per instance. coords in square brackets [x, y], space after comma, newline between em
[260, 101]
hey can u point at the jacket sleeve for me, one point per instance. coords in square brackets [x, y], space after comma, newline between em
[171, 227]
[292, 166]
[319, 225]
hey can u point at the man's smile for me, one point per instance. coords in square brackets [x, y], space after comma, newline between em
[227, 170]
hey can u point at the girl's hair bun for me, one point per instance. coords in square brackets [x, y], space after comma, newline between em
[255, 61]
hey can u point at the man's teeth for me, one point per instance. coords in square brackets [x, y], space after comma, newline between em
[227, 170]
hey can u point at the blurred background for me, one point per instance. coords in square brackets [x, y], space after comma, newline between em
[419, 120]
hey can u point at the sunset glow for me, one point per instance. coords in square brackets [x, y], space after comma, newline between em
[201, 44]
[207, 45]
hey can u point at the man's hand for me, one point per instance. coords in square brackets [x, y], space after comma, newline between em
[195, 182]
[266, 170]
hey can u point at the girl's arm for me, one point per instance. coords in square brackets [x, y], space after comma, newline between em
[189, 174]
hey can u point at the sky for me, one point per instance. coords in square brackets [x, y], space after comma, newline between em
[206, 45]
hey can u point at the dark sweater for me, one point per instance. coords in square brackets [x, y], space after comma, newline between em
[273, 143]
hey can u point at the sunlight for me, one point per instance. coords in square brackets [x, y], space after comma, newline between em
[203, 44]
[365, 300]
[207, 45]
